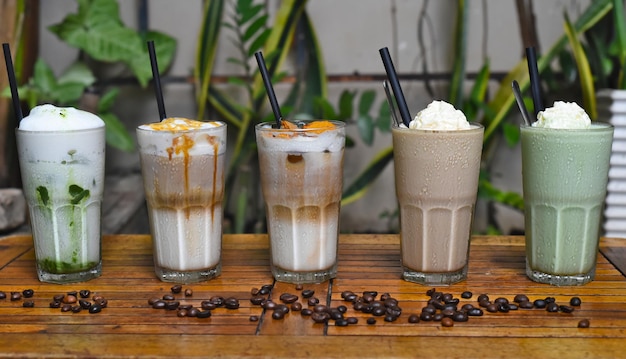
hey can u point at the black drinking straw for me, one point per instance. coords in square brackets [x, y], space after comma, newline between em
[17, 108]
[268, 87]
[520, 103]
[395, 86]
[157, 80]
[531, 58]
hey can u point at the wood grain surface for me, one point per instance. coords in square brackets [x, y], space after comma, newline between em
[130, 327]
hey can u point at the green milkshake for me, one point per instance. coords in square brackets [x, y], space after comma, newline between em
[565, 164]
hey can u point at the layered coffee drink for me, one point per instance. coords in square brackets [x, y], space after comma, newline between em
[182, 164]
[301, 177]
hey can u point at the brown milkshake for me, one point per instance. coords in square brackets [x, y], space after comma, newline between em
[436, 175]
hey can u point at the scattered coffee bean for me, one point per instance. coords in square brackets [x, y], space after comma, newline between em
[519, 298]
[341, 323]
[296, 307]
[335, 314]
[231, 303]
[172, 305]
[203, 314]
[16, 296]
[58, 297]
[257, 300]
[70, 299]
[254, 318]
[413, 318]
[351, 298]
[346, 293]
[85, 293]
[308, 293]
[540, 303]
[176, 289]
[55, 304]
[426, 317]
[193, 312]
[501, 300]
[437, 317]
[159, 304]
[181, 313]
[66, 307]
[299, 286]
[312, 301]
[207, 305]
[3, 295]
[493, 308]
[550, 299]
[371, 321]
[268, 304]
[288, 298]
[379, 311]
[484, 303]
[475, 312]
[278, 314]
[342, 308]
[583, 323]
[320, 317]
[467, 307]
[74, 293]
[28, 304]
[85, 304]
[168, 297]
[306, 312]
[188, 292]
[217, 300]
[76, 308]
[320, 308]
[466, 295]
[566, 308]
[460, 317]
[185, 306]
[266, 289]
[526, 305]
[575, 302]
[552, 307]
[503, 307]
[352, 320]
[447, 322]
[254, 291]
[28, 293]
[281, 308]
[448, 312]
[102, 302]
[483, 297]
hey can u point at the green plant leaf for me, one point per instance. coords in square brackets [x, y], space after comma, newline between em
[323, 109]
[107, 100]
[259, 41]
[584, 72]
[620, 37]
[366, 101]
[43, 77]
[257, 25]
[487, 190]
[384, 117]
[359, 187]
[346, 103]
[365, 124]
[511, 134]
[78, 72]
[68, 93]
[116, 134]
[460, 49]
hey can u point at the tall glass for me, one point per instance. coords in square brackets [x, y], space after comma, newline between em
[63, 179]
[183, 176]
[301, 179]
[436, 175]
[565, 175]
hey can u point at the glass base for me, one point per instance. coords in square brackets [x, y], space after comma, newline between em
[64, 278]
[434, 279]
[286, 276]
[186, 277]
[559, 280]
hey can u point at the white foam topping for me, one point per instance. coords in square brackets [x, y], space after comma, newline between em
[51, 118]
[303, 141]
[563, 115]
[441, 116]
[179, 124]
[178, 137]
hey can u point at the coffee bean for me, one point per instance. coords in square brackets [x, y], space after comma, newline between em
[308, 293]
[66, 307]
[168, 297]
[16, 296]
[540, 303]
[448, 312]
[466, 295]
[254, 291]
[368, 298]
[188, 292]
[575, 301]
[58, 297]
[172, 305]
[85, 304]
[193, 312]
[320, 317]
[583, 323]
[185, 306]
[550, 300]
[28, 304]
[268, 304]
[385, 296]
[207, 305]
[437, 317]
[306, 312]
[366, 308]
[426, 317]
[278, 314]
[257, 300]
[482, 297]
[467, 307]
[413, 318]
[217, 300]
[351, 298]
[520, 298]
[85, 293]
[475, 312]
[447, 297]
[429, 309]
[395, 311]
[513, 306]
[28, 293]
[566, 308]
[503, 307]
[344, 294]
[203, 314]
[288, 298]
[460, 317]
[526, 305]
[312, 301]
[501, 300]
[342, 308]
[341, 323]
[76, 309]
[352, 320]
[231, 303]
[181, 313]
[70, 299]
[493, 308]
[103, 302]
[296, 307]
[55, 304]
[390, 318]
[371, 321]
[254, 318]
[299, 286]
[484, 303]
[74, 293]
[97, 298]
[3, 295]
[391, 302]
[552, 307]
[436, 303]
[265, 290]
[281, 308]
[159, 304]
[447, 322]
[176, 288]
[379, 311]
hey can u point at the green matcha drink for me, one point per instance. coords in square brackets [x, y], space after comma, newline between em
[565, 164]
[61, 155]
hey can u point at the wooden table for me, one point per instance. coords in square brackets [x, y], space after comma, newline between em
[129, 327]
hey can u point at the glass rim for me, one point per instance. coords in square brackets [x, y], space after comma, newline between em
[58, 132]
[262, 126]
[223, 125]
[475, 126]
[595, 126]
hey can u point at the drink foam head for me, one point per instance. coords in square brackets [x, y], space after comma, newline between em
[178, 137]
[51, 118]
[179, 124]
[564, 115]
[441, 116]
[301, 141]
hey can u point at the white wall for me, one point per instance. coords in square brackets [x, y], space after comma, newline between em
[350, 32]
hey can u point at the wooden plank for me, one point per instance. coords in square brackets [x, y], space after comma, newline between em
[129, 326]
